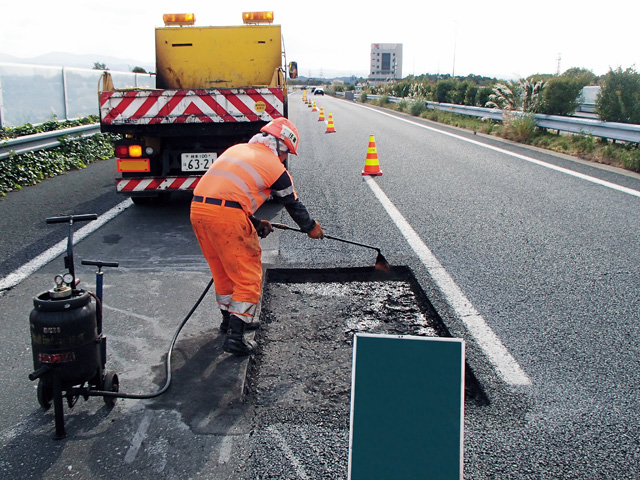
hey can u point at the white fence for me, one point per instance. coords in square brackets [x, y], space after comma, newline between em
[35, 93]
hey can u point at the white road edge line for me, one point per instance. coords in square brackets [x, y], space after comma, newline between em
[41, 260]
[582, 176]
[505, 365]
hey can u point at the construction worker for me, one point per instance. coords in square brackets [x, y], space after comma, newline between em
[222, 216]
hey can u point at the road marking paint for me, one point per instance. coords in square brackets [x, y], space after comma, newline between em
[588, 178]
[505, 365]
[225, 450]
[300, 471]
[41, 260]
[139, 437]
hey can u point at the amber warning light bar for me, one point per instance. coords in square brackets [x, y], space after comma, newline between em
[257, 17]
[181, 19]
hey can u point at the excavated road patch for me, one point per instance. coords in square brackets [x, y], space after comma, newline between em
[300, 380]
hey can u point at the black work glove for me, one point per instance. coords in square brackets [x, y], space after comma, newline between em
[264, 228]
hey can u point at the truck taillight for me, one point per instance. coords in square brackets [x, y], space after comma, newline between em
[171, 19]
[124, 151]
[257, 17]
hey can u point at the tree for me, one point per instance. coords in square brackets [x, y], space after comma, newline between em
[138, 70]
[619, 99]
[581, 75]
[99, 66]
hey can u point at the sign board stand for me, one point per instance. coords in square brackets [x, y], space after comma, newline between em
[407, 408]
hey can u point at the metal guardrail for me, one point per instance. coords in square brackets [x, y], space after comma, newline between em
[615, 131]
[626, 132]
[41, 141]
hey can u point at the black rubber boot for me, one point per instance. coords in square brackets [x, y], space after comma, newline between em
[224, 326]
[235, 342]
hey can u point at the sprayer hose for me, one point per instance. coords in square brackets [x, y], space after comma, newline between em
[167, 362]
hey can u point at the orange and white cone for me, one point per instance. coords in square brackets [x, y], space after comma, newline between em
[330, 127]
[321, 117]
[371, 164]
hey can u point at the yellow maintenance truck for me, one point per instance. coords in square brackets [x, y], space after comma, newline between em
[215, 87]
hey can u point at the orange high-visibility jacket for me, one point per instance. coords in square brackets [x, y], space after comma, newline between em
[249, 174]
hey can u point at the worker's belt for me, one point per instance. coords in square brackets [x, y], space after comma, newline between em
[217, 201]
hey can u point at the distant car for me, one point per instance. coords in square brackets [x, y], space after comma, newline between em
[318, 91]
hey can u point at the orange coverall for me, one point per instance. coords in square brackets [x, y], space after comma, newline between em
[225, 199]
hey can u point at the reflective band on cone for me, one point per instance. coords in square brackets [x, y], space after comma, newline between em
[371, 164]
[314, 109]
[321, 117]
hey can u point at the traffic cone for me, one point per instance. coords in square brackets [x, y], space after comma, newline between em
[371, 164]
[314, 109]
[309, 103]
[330, 127]
[321, 117]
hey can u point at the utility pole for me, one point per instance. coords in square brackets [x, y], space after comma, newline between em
[559, 58]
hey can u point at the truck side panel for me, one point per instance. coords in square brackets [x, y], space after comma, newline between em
[217, 57]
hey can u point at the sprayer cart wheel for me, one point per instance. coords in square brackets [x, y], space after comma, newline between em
[111, 384]
[45, 394]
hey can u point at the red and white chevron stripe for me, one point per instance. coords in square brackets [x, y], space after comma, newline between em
[143, 107]
[156, 184]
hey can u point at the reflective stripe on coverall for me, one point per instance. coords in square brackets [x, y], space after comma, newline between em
[243, 173]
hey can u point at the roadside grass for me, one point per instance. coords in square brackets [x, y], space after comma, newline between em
[523, 130]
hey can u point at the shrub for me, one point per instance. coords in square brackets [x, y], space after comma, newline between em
[402, 105]
[443, 89]
[17, 171]
[619, 99]
[560, 96]
[417, 107]
[520, 128]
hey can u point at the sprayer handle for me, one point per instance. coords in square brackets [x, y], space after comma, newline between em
[99, 263]
[75, 218]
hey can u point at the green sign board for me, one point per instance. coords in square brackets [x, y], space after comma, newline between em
[407, 408]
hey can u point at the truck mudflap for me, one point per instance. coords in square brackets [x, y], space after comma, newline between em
[156, 184]
[149, 107]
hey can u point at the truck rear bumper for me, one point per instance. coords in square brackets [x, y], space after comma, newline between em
[144, 185]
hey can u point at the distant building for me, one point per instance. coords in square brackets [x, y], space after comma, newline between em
[386, 62]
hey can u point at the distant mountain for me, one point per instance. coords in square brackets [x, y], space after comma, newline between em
[61, 59]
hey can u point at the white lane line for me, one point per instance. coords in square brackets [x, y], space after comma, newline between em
[299, 468]
[588, 178]
[505, 365]
[225, 450]
[139, 437]
[41, 260]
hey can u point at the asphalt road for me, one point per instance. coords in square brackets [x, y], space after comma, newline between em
[549, 261]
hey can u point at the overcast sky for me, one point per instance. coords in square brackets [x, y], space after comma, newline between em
[496, 39]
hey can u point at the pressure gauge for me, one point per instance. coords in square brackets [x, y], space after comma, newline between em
[68, 279]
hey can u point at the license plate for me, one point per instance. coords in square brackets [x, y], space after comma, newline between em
[197, 162]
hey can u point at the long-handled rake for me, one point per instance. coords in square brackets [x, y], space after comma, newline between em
[381, 262]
